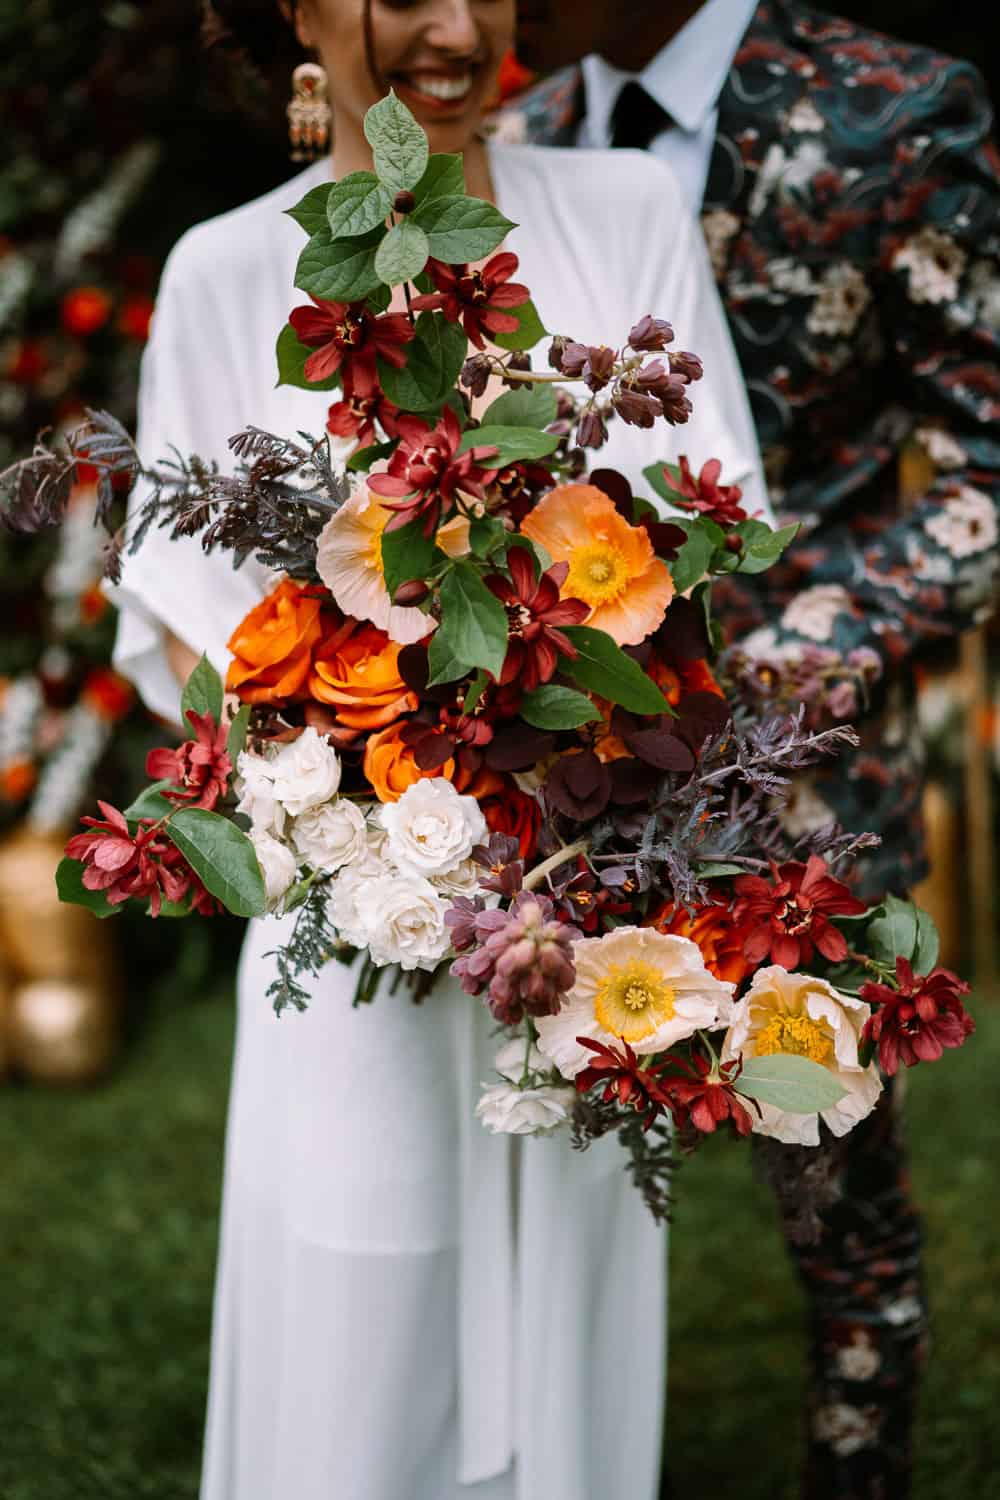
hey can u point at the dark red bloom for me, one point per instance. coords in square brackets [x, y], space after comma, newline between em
[199, 770]
[707, 1098]
[424, 473]
[918, 1020]
[624, 1078]
[144, 866]
[363, 406]
[789, 913]
[534, 614]
[475, 298]
[345, 335]
[719, 502]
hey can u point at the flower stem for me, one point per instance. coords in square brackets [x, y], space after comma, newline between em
[535, 877]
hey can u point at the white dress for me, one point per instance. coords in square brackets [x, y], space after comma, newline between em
[408, 1308]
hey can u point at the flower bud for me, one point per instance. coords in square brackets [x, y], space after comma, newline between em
[635, 408]
[687, 365]
[413, 591]
[555, 354]
[600, 366]
[592, 432]
[574, 358]
[734, 542]
[404, 202]
[475, 374]
[651, 333]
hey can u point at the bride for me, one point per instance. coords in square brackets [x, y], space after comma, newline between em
[407, 1307]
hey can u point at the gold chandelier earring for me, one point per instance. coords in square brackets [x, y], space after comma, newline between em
[308, 113]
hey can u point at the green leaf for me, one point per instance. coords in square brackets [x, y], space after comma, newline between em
[149, 803]
[525, 406]
[310, 212]
[473, 621]
[443, 665]
[222, 856]
[356, 204]
[407, 553]
[659, 479]
[399, 146]
[603, 668]
[361, 462]
[237, 737]
[486, 533]
[460, 228]
[444, 178]
[691, 563]
[202, 693]
[69, 884]
[789, 1082]
[402, 254]
[292, 356]
[339, 270]
[509, 444]
[529, 330]
[927, 948]
[433, 361]
[762, 551]
[893, 935]
[554, 707]
[713, 869]
[477, 688]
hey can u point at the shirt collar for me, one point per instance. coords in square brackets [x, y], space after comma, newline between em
[685, 77]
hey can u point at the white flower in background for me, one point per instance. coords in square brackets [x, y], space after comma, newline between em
[254, 785]
[935, 263]
[404, 918]
[277, 862]
[331, 835]
[966, 523]
[805, 811]
[640, 986]
[432, 828]
[790, 276]
[843, 297]
[845, 1428]
[507, 1110]
[813, 612]
[804, 115]
[801, 1014]
[306, 773]
[858, 1360]
[984, 284]
[718, 227]
[347, 905]
[941, 448]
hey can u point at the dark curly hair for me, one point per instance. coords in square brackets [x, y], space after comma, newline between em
[258, 32]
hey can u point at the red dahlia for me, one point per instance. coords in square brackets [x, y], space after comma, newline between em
[918, 1020]
[708, 1098]
[534, 614]
[198, 770]
[144, 865]
[476, 299]
[424, 473]
[789, 914]
[624, 1078]
[345, 335]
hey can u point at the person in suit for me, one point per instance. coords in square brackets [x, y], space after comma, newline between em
[849, 191]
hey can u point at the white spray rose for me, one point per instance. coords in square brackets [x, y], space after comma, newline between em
[306, 773]
[404, 916]
[509, 1061]
[255, 787]
[277, 862]
[432, 828]
[507, 1110]
[331, 835]
[348, 903]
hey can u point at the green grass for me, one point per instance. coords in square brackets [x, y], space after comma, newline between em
[108, 1203]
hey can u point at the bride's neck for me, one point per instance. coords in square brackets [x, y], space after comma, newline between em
[352, 153]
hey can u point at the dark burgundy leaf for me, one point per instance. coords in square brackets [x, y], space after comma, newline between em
[632, 783]
[517, 748]
[683, 636]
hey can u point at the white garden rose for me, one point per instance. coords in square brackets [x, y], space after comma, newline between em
[510, 1061]
[254, 785]
[331, 835]
[347, 905]
[432, 828]
[404, 917]
[277, 862]
[507, 1110]
[306, 773]
[463, 880]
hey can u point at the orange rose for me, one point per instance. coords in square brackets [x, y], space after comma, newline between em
[480, 783]
[390, 766]
[358, 676]
[272, 647]
[514, 813]
[686, 677]
[716, 934]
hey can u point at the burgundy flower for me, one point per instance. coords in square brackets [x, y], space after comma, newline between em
[918, 1020]
[650, 333]
[687, 365]
[143, 866]
[501, 858]
[668, 387]
[719, 502]
[516, 488]
[789, 914]
[534, 614]
[636, 407]
[363, 406]
[624, 1078]
[424, 473]
[579, 785]
[345, 335]
[198, 770]
[475, 298]
[525, 960]
[707, 1098]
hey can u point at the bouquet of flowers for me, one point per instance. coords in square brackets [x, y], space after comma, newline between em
[482, 725]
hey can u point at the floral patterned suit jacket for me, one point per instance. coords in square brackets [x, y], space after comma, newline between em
[852, 213]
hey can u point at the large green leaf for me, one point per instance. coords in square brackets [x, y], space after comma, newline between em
[399, 146]
[442, 663]
[460, 228]
[310, 212]
[356, 204]
[659, 478]
[789, 1082]
[339, 270]
[693, 557]
[603, 668]
[893, 935]
[433, 361]
[444, 178]
[763, 548]
[402, 254]
[69, 884]
[292, 356]
[526, 405]
[509, 445]
[553, 707]
[222, 856]
[407, 553]
[202, 693]
[927, 947]
[529, 330]
[473, 621]
[361, 461]
[237, 737]
[150, 803]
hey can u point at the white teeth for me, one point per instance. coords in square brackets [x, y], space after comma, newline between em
[444, 88]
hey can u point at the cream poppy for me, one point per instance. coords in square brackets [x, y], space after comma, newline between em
[349, 561]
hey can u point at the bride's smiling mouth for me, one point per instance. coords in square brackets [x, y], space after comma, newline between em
[439, 91]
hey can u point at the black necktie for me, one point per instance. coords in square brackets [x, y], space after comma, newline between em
[637, 118]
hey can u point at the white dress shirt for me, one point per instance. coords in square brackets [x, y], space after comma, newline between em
[686, 79]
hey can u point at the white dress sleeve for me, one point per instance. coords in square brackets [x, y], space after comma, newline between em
[188, 401]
